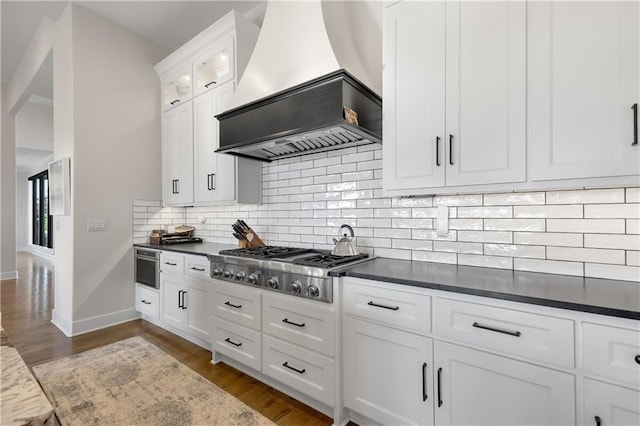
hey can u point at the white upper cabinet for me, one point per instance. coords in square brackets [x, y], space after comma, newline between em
[583, 82]
[177, 87]
[177, 155]
[454, 91]
[215, 67]
[197, 81]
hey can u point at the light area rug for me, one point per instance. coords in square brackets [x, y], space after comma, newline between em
[132, 382]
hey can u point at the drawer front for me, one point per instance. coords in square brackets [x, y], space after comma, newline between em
[611, 352]
[171, 263]
[237, 342]
[411, 311]
[197, 267]
[237, 304]
[147, 301]
[523, 334]
[308, 372]
[311, 325]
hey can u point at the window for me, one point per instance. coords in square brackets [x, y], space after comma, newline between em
[41, 219]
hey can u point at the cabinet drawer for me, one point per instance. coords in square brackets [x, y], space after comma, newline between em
[147, 301]
[237, 342]
[197, 267]
[523, 334]
[306, 371]
[611, 352]
[171, 263]
[238, 304]
[411, 311]
[307, 324]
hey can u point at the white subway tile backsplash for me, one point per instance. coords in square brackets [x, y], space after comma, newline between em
[412, 223]
[548, 239]
[473, 224]
[633, 195]
[486, 236]
[616, 272]
[330, 161]
[412, 244]
[548, 266]
[633, 226]
[626, 211]
[488, 212]
[587, 196]
[612, 226]
[305, 201]
[627, 242]
[531, 225]
[485, 261]
[514, 199]
[356, 158]
[633, 258]
[557, 211]
[435, 256]
[514, 250]
[457, 247]
[586, 255]
[392, 233]
[458, 200]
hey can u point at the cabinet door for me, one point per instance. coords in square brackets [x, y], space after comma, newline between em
[197, 308]
[583, 81]
[171, 311]
[486, 92]
[474, 387]
[388, 374]
[176, 87]
[215, 67]
[413, 92]
[612, 405]
[177, 155]
[215, 174]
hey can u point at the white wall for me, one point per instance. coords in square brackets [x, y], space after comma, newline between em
[34, 126]
[115, 156]
[7, 190]
[23, 207]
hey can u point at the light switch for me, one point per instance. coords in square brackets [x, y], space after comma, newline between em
[442, 221]
[96, 225]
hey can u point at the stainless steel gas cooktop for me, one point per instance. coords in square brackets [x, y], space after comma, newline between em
[297, 271]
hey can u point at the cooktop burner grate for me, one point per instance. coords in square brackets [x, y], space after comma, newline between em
[266, 252]
[328, 260]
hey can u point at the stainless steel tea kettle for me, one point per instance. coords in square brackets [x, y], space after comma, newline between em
[345, 246]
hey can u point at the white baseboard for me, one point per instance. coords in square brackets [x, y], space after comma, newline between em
[13, 275]
[102, 321]
[75, 328]
[61, 322]
[46, 253]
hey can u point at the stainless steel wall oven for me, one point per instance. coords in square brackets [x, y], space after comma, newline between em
[147, 267]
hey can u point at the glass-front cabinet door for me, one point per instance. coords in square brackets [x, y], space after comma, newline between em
[215, 67]
[177, 88]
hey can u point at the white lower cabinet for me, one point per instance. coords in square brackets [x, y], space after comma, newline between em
[388, 374]
[147, 301]
[610, 405]
[184, 302]
[474, 387]
[237, 342]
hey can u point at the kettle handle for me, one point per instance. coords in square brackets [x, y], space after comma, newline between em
[349, 228]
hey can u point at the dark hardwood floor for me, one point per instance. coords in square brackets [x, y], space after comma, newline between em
[26, 305]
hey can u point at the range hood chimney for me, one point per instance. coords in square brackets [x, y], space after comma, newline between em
[306, 87]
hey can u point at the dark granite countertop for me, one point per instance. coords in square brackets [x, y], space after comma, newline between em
[200, 249]
[599, 296]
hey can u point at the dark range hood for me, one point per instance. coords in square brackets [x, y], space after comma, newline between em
[311, 117]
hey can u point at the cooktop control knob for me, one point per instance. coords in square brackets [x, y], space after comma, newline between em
[272, 282]
[228, 274]
[217, 272]
[313, 291]
[253, 279]
[240, 276]
[295, 287]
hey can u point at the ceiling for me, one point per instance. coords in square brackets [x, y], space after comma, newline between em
[168, 23]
